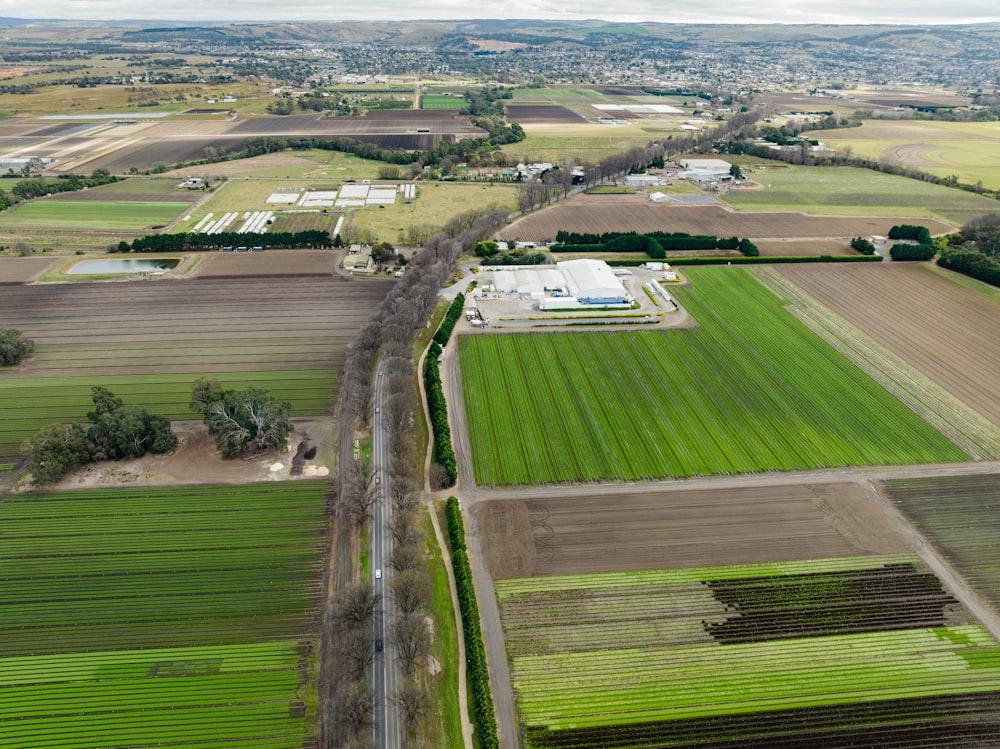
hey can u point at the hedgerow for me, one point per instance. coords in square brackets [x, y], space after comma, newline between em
[444, 454]
[454, 312]
[477, 672]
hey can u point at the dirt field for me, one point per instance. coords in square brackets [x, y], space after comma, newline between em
[21, 269]
[945, 330]
[682, 529]
[530, 114]
[269, 263]
[803, 247]
[601, 213]
[162, 326]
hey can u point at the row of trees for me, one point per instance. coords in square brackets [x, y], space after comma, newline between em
[36, 187]
[476, 669]
[921, 246]
[115, 432]
[184, 241]
[389, 334]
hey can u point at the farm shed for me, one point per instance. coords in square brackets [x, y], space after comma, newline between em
[642, 180]
[529, 281]
[593, 282]
[706, 168]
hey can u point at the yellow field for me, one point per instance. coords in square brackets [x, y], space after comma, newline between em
[968, 150]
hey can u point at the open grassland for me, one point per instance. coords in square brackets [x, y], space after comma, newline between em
[175, 616]
[681, 528]
[826, 652]
[310, 164]
[968, 150]
[133, 215]
[750, 389]
[581, 141]
[441, 101]
[436, 204]
[148, 341]
[923, 317]
[855, 192]
[958, 515]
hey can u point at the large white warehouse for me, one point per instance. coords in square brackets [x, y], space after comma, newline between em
[593, 282]
[574, 282]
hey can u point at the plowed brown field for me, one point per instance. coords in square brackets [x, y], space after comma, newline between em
[683, 528]
[602, 213]
[945, 330]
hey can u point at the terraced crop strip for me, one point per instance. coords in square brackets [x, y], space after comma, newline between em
[857, 651]
[149, 341]
[751, 389]
[958, 515]
[163, 617]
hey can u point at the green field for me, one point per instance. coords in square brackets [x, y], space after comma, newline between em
[133, 215]
[438, 101]
[849, 191]
[750, 389]
[814, 649]
[968, 150]
[30, 404]
[958, 515]
[173, 616]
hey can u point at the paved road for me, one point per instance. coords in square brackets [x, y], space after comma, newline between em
[385, 674]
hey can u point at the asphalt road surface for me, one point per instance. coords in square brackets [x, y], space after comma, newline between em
[385, 673]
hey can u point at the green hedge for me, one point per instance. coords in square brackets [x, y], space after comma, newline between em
[476, 670]
[454, 312]
[438, 408]
[912, 251]
[739, 260]
[184, 241]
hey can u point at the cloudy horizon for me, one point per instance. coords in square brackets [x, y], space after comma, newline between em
[847, 12]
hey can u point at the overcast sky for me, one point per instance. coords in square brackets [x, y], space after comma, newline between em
[666, 11]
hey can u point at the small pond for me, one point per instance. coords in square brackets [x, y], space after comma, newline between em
[96, 267]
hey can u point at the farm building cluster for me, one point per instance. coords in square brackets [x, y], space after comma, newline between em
[349, 196]
[567, 285]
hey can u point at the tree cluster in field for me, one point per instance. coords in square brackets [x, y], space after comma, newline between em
[444, 453]
[115, 432]
[491, 254]
[476, 669]
[36, 187]
[245, 421]
[14, 346]
[451, 317]
[975, 251]
[656, 244]
[862, 245]
[184, 242]
[922, 246]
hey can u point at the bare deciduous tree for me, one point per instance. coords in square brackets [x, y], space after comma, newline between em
[410, 591]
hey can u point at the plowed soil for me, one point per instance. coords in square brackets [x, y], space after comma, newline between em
[945, 330]
[684, 528]
[602, 213]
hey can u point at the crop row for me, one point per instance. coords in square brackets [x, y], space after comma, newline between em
[750, 389]
[30, 404]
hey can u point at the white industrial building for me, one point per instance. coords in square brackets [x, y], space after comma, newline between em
[570, 283]
[705, 168]
[593, 282]
[642, 180]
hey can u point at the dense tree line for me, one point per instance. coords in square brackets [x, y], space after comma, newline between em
[36, 187]
[183, 242]
[390, 333]
[476, 668]
[116, 431]
[922, 246]
[862, 245]
[656, 244]
[454, 312]
[444, 453]
[975, 250]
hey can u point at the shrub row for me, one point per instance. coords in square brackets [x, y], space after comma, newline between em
[912, 251]
[862, 245]
[182, 242]
[444, 454]
[477, 672]
[756, 260]
[454, 312]
[972, 263]
[655, 244]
